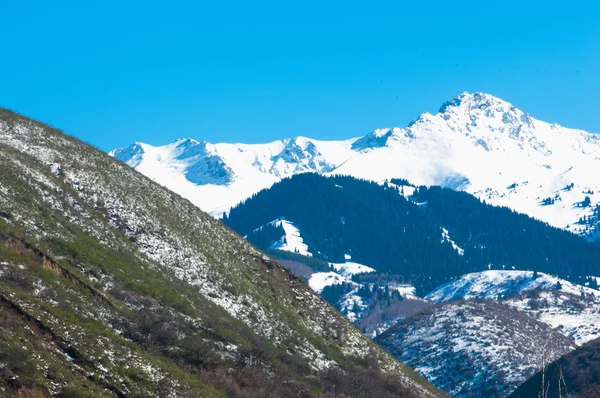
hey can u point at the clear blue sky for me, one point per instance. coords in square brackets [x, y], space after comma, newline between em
[124, 71]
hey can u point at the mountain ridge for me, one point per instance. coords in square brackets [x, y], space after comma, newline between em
[536, 168]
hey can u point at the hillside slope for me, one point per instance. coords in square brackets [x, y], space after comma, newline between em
[114, 286]
[536, 168]
[573, 310]
[580, 375]
[474, 349]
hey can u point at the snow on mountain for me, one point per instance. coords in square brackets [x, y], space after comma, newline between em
[487, 331]
[474, 348]
[406, 290]
[446, 238]
[341, 273]
[359, 302]
[349, 268]
[216, 177]
[576, 317]
[491, 284]
[319, 280]
[291, 241]
[476, 142]
[573, 310]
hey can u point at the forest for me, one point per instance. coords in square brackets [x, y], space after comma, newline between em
[403, 238]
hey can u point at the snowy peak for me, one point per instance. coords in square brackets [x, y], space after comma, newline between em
[197, 161]
[481, 107]
[299, 155]
[188, 148]
[469, 102]
[131, 155]
[477, 143]
[486, 117]
[377, 139]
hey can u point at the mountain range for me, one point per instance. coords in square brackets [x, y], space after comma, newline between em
[476, 143]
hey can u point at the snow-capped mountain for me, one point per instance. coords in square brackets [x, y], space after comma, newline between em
[476, 142]
[571, 309]
[474, 348]
[487, 332]
[218, 176]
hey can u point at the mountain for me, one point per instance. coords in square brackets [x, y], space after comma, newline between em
[474, 348]
[575, 374]
[488, 332]
[573, 310]
[112, 285]
[544, 170]
[422, 236]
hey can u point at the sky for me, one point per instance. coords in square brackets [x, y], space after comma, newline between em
[113, 73]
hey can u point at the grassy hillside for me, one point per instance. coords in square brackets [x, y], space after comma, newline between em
[114, 286]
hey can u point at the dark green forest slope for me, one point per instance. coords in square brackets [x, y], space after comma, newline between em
[379, 227]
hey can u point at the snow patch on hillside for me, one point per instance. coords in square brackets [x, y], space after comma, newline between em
[407, 291]
[348, 269]
[574, 316]
[342, 272]
[292, 240]
[446, 238]
[319, 280]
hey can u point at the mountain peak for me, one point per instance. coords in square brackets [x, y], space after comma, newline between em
[478, 100]
[132, 155]
[186, 142]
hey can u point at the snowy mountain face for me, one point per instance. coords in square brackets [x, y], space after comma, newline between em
[474, 348]
[215, 177]
[572, 310]
[198, 162]
[487, 332]
[476, 142]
